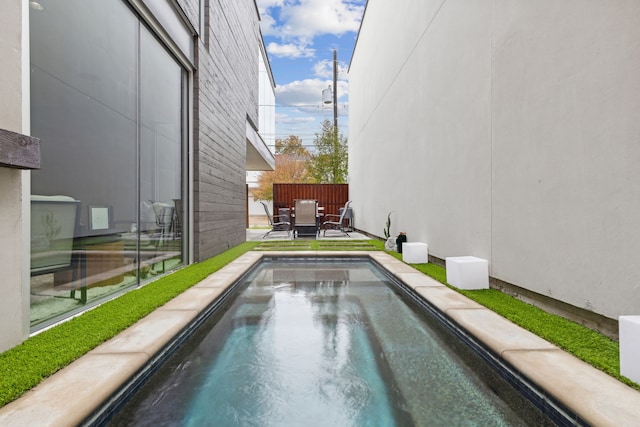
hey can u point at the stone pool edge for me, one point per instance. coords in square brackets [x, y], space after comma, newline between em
[72, 395]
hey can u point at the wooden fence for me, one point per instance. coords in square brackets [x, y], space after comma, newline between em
[331, 196]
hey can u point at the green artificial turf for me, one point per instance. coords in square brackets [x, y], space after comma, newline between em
[24, 366]
[586, 344]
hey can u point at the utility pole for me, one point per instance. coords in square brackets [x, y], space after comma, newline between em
[327, 98]
[335, 92]
[335, 114]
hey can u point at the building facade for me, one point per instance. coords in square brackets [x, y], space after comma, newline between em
[508, 131]
[148, 117]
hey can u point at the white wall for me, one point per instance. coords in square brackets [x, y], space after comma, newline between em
[507, 130]
[14, 214]
[266, 103]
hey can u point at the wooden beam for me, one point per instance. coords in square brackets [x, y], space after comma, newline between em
[19, 151]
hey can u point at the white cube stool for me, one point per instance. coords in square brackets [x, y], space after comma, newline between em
[467, 272]
[629, 336]
[415, 253]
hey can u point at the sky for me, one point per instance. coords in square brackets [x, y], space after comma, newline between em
[300, 36]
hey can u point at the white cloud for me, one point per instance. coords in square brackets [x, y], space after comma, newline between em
[300, 92]
[305, 19]
[268, 24]
[290, 50]
[307, 93]
[324, 69]
[326, 111]
[265, 4]
[286, 119]
[310, 18]
[296, 29]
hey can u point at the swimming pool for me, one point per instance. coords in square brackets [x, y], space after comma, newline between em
[325, 342]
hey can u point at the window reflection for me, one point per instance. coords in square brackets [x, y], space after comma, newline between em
[107, 106]
[160, 157]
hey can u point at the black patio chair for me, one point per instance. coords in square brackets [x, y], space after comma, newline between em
[336, 222]
[276, 222]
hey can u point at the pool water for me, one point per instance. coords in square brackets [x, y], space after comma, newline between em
[325, 343]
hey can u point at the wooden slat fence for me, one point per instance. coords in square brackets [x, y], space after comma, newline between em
[331, 196]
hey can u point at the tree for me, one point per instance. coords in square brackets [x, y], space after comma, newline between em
[329, 163]
[292, 145]
[291, 167]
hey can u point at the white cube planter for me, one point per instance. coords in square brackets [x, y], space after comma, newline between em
[629, 335]
[467, 272]
[415, 253]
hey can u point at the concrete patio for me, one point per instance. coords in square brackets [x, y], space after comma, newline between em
[255, 234]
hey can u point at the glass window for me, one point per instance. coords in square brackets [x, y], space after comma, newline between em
[160, 156]
[106, 101]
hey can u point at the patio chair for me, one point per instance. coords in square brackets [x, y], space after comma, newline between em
[177, 225]
[276, 222]
[336, 222]
[306, 219]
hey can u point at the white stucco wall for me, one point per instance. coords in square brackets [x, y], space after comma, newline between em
[508, 130]
[14, 209]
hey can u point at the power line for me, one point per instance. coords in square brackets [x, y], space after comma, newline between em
[322, 107]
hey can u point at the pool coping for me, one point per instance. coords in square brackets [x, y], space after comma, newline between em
[73, 394]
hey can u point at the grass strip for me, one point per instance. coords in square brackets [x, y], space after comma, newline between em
[346, 245]
[319, 245]
[24, 366]
[586, 344]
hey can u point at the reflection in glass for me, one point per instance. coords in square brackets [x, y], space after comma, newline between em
[96, 122]
[160, 156]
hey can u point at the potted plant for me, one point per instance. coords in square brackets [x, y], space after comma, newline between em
[390, 243]
[402, 237]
